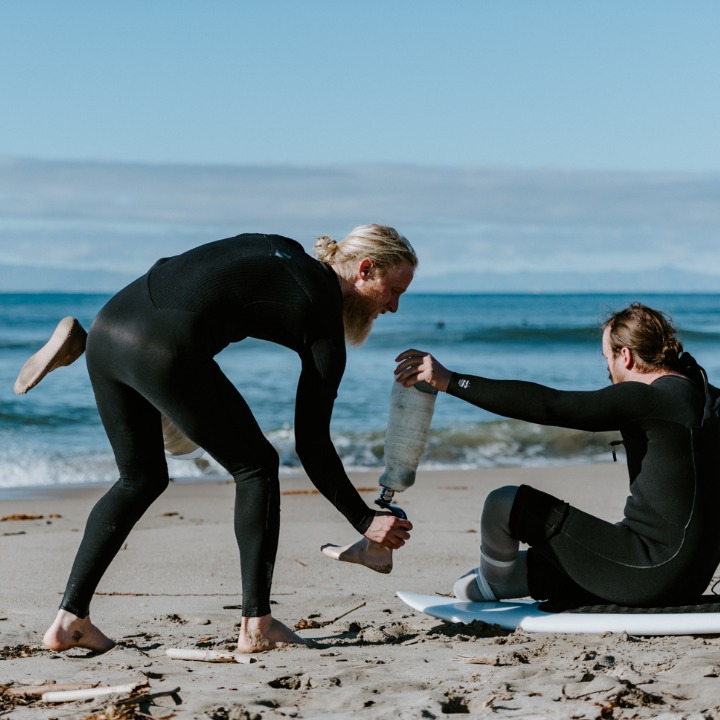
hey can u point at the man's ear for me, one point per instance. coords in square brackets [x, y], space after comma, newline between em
[365, 269]
[627, 358]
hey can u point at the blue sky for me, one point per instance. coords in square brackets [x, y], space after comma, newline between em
[611, 84]
[615, 88]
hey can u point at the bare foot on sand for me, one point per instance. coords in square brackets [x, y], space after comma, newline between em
[258, 634]
[69, 631]
[65, 346]
[363, 552]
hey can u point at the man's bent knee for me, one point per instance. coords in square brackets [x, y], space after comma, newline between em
[152, 482]
[498, 505]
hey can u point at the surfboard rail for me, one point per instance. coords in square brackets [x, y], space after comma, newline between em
[528, 616]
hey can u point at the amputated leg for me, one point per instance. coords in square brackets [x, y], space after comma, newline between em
[502, 572]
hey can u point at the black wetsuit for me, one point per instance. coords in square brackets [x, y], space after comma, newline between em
[150, 351]
[667, 546]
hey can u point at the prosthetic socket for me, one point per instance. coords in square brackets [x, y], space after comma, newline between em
[411, 411]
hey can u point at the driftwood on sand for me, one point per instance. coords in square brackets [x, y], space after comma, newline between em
[209, 656]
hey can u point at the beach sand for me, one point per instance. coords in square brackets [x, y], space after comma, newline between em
[175, 584]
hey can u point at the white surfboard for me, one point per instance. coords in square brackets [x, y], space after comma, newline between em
[526, 614]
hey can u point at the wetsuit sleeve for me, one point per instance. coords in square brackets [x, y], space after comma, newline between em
[606, 409]
[313, 411]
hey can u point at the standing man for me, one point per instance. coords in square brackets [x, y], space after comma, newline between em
[150, 353]
[667, 546]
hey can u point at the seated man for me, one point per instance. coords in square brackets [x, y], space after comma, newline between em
[667, 546]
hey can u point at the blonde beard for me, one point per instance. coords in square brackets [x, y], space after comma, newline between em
[357, 318]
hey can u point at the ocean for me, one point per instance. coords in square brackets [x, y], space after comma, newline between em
[52, 435]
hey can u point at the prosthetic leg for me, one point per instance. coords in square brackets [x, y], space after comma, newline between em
[411, 411]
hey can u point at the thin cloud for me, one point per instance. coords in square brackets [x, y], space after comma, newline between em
[116, 216]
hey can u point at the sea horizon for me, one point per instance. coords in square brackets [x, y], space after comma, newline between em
[53, 437]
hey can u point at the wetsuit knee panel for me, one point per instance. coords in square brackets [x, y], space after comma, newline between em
[264, 462]
[153, 481]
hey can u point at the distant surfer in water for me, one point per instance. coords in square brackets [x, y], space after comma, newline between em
[667, 546]
[150, 354]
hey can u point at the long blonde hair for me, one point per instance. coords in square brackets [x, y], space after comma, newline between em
[384, 245]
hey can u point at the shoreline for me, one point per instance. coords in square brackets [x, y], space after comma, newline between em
[365, 477]
[175, 584]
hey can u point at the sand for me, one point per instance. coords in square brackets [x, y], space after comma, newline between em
[176, 585]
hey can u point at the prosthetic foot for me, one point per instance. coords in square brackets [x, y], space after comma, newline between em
[65, 346]
[363, 552]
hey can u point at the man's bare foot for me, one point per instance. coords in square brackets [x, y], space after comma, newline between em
[65, 346]
[363, 552]
[69, 631]
[258, 634]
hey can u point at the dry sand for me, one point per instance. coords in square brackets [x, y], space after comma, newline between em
[176, 585]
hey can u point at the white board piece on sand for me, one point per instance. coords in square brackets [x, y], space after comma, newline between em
[526, 614]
